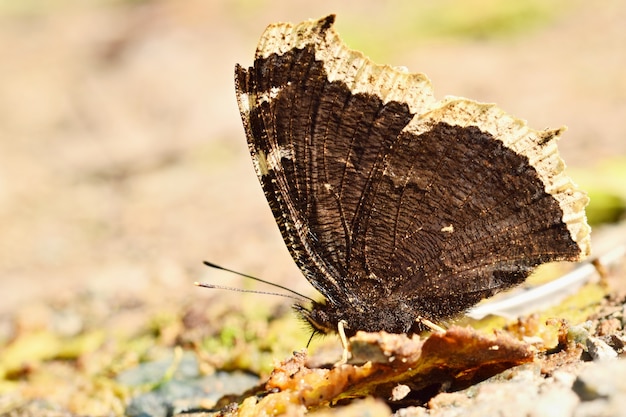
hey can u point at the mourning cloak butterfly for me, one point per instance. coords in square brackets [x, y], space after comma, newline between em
[394, 205]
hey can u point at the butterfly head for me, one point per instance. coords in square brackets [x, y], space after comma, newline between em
[324, 318]
[319, 317]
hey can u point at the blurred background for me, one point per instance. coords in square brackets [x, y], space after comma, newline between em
[123, 162]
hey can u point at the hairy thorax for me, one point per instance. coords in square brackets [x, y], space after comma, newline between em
[392, 315]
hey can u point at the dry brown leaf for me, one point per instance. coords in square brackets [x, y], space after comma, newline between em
[396, 368]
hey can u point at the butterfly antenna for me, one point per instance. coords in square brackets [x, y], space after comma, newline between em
[212, 265]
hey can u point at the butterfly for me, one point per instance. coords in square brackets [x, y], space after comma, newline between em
[397, 206]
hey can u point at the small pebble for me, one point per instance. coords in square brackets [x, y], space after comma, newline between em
[601, 380]
[599, 350]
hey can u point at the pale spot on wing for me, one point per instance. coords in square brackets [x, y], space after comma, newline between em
[448, 229]
[244, 103]
[267, 96]
[275, 156]
[260, 162]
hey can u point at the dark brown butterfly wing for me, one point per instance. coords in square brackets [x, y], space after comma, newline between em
[393, 204]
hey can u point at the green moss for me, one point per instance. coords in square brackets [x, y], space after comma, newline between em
[606, 186]
[488, 18]
[408, 23]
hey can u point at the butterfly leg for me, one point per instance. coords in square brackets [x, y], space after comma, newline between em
[430, 325]
[344, 343]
